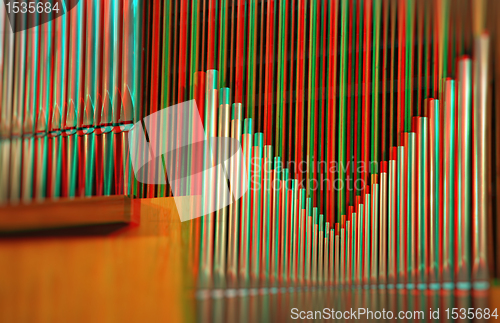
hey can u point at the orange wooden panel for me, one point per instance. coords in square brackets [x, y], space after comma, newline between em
[141, 273]
[65, 213]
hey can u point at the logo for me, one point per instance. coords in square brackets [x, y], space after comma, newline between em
[204, 173]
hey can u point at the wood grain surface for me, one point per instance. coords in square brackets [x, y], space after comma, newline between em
[140, 273]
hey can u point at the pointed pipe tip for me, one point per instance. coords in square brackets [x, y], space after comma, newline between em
[107, 110]
[127, 107]
[88, 114]
[70, 120]
[55, 122]
[41, 122]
